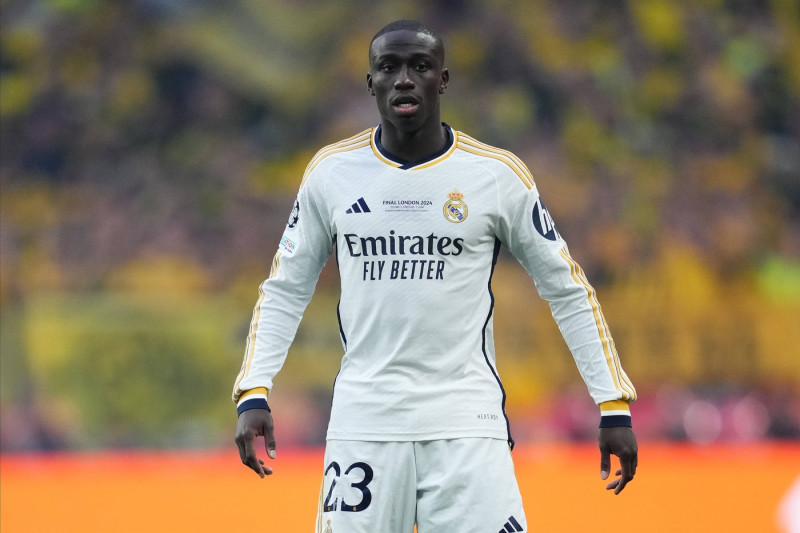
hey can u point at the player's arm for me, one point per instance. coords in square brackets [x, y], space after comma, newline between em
[303, 250]
[526, 227]
[580, 318]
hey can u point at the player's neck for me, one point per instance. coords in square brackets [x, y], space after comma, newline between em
[413, 146]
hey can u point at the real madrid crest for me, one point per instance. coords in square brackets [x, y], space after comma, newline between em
[455, 210]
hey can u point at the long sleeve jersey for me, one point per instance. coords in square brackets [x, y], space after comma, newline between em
[416, 245]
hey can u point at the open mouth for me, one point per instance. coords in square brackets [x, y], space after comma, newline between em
[405, 106]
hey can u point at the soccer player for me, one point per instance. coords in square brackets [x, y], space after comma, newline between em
[416, 213]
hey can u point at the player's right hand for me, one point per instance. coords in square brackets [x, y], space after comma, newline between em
[255, 423]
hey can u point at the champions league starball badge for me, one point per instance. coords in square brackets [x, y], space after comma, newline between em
[294, 216]
[455, 210]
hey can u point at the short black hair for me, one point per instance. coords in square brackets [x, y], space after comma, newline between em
[411, 25]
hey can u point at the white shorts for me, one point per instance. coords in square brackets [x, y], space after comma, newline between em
[466, 485]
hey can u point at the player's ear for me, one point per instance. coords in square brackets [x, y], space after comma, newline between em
[369, 84]
[445, 80]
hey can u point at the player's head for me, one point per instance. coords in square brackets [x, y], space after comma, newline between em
[407, 74]
[409, 25]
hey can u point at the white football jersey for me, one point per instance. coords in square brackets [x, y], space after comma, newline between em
[416, 244]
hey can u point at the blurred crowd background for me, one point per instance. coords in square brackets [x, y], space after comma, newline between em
[151, 151]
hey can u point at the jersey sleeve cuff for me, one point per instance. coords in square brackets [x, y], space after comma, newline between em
[615, 413]
[253, 399]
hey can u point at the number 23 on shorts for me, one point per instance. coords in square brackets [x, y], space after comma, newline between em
[358, 477]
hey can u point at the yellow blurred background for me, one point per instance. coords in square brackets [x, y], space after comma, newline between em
[151, 151]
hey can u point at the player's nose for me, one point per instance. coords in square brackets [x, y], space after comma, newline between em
[403, 79]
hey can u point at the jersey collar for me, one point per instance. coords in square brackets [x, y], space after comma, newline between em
[402, 164]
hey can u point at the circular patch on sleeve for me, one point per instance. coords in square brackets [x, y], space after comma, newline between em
[543, 222]
[294, 216]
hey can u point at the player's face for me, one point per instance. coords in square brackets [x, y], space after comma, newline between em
[406, 76]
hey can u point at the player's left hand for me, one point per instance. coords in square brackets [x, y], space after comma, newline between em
[621, 442]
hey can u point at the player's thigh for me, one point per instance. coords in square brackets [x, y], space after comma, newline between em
[467, 485]
[367, 487]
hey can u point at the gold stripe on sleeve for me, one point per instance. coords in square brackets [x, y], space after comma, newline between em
[489, 147]
[517, 162]
[472, 146]
[357, 141]
[251, 336]
[624, 381]
[621, 382]
[276, 265]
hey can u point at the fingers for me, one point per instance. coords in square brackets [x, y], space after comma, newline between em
[605, 462]
[265, 469]
[249, 426]
[251, 460]
[244, 446]
[619, 484]
[628, 465]
[269, 440]
[628, 462]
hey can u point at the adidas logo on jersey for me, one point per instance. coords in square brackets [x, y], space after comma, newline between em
[512, 526]
[359, 207]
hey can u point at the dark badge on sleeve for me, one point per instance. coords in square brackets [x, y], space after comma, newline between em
[294, 216]
[543, 222]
